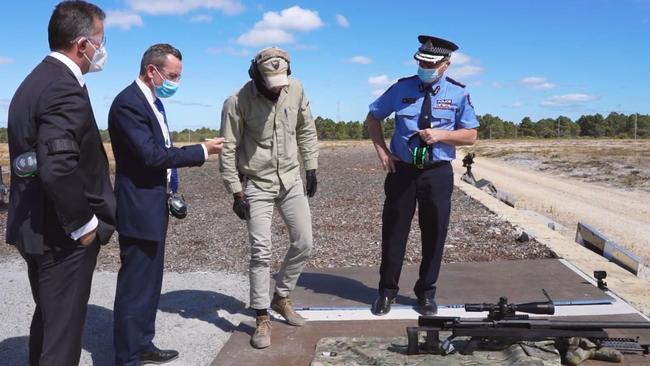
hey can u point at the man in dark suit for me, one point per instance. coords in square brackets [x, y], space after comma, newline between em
[59, 217]
[145, 177]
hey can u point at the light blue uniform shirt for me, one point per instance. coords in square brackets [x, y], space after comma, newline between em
[451, 109]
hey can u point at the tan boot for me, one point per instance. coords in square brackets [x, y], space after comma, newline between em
[262, 336]
[284, 307]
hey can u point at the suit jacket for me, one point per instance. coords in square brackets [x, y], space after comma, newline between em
[141, 163]
[51, 114]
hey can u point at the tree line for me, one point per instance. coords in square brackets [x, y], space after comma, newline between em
[615, 125]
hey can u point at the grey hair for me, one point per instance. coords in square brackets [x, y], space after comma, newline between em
[71, 20]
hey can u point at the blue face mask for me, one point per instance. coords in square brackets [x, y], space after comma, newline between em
[166, 89]
[427, 76]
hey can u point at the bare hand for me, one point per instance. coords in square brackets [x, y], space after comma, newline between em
[215, 145]
[387, 160]
[88, 238]
[431, 136]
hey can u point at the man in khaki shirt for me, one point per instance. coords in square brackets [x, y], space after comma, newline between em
[266, 124]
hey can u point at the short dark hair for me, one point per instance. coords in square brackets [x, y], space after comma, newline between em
[71, 20]
[157, 54]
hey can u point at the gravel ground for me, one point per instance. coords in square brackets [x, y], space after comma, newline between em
[205, 291]
[197, 313]
[346, 215]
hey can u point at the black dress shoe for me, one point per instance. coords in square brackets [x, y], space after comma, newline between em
[157, 356]
[427, 306]
[381, 306]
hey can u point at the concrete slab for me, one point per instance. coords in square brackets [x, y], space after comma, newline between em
[459, 283]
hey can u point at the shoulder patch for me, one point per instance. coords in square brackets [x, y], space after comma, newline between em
[455, 82]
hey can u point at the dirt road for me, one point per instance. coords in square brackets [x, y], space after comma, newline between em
[623, 216]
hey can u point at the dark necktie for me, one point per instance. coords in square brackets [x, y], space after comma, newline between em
[425, 113]
[173, 180]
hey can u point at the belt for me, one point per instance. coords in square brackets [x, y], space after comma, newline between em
[429, 165]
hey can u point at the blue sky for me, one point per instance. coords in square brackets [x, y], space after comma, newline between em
[518, 58]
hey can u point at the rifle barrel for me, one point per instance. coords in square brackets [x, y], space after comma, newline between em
[447, 323]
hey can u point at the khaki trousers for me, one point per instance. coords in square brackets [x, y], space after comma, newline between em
[294, 208]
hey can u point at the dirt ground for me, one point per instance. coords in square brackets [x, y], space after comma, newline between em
[623, 164]
[346, 216]
[604, 183]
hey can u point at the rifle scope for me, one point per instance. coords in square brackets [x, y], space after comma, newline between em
[505, 309]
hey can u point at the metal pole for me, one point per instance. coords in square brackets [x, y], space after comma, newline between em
[558, 128]
[635, 118]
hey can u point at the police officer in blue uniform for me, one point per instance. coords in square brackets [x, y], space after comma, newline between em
[433, 115]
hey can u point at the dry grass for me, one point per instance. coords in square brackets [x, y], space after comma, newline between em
[618, 163]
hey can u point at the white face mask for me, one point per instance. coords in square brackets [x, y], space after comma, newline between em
[99, 58]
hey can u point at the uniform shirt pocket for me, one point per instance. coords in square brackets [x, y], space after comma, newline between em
[408, 116]
[443, 119]
[260, 127]
[290, 115]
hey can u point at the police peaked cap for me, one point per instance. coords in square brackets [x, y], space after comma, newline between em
[434, 49]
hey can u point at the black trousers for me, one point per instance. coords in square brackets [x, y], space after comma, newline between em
[139, 282]
[60, 280]
[430, 189]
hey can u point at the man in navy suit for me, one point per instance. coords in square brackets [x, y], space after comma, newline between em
[59, 218]
[145, 177]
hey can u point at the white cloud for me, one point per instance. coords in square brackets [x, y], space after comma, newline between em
[463, 66]
[380, 81]
[122, 19]
[201, 18]
[274, 28]
[257, 37]
[459, 72]
[230, 51]
[379, 84]
[497, 85]
[410, 62]
[568, 100]
[363, 60]
[538, 83]
[516, 104]
[159, 7]
[6, 60]
[459, 58]
[293, 18]
[342, 20]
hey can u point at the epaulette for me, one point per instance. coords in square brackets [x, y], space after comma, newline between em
[406, 78]
[398, 80]
[454, 82]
